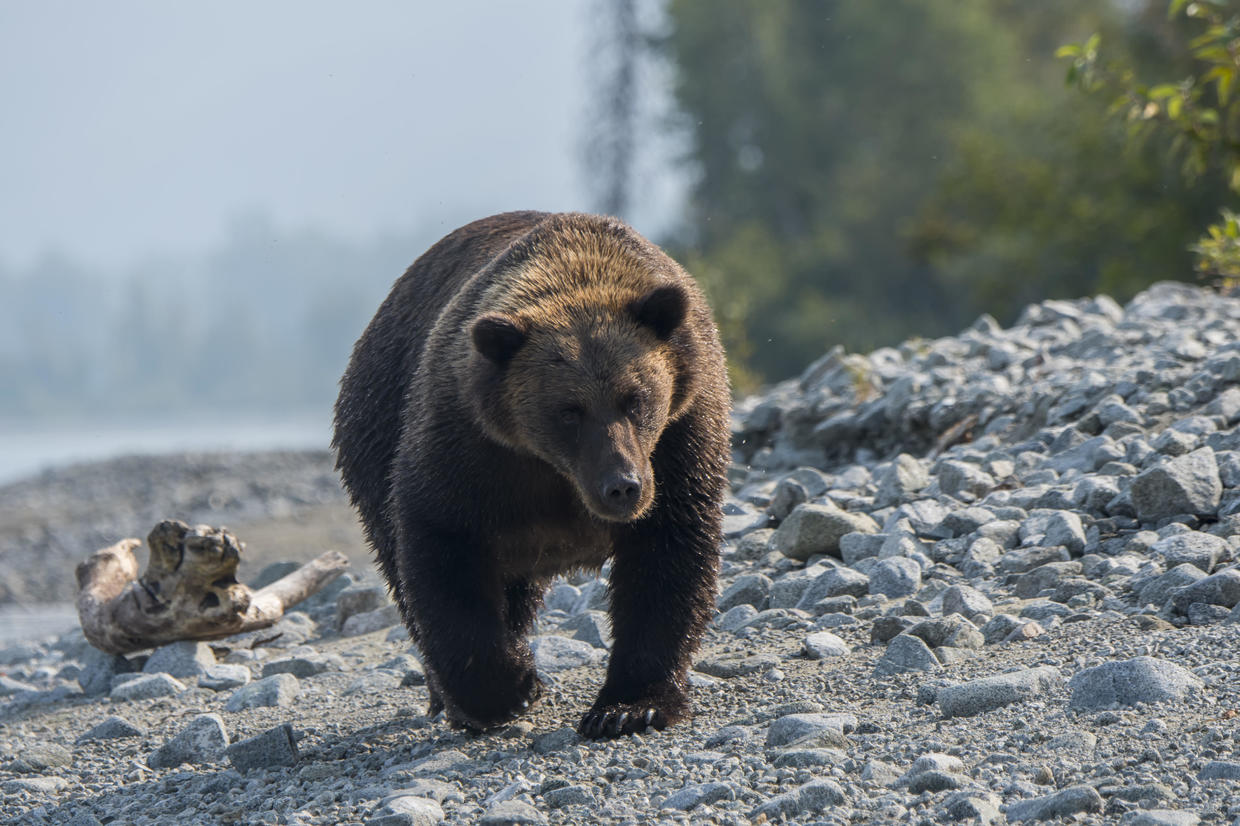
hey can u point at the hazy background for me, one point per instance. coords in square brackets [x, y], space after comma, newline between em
[202, 205]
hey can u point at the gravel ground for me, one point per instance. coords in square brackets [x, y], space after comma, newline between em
[989, 578]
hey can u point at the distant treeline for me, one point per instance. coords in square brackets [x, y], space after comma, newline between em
[867, 172]
[263, 322]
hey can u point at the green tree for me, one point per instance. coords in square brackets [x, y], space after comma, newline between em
[867, 172]
[1195, 109]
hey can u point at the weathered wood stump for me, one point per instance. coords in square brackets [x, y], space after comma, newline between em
[189, 590]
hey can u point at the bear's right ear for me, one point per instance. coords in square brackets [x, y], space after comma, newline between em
[498, 337]
[662, 309]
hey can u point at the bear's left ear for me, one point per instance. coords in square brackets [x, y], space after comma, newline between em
[498, 337]
[662, 309]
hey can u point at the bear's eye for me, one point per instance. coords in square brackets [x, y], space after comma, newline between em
[570, 416]
[632, 404]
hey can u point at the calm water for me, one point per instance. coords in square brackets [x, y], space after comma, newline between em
[28, 447]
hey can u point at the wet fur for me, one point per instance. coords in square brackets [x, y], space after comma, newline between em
[471, 503]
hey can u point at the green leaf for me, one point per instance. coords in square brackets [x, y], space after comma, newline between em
[1163, 90]
[1174, 7]
[1070, 50]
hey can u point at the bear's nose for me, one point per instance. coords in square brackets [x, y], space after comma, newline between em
[622, 490]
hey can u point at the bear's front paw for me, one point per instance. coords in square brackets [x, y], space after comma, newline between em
[617, 719]
[489, 705]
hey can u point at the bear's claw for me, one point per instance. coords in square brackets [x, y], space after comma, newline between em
[620, 720]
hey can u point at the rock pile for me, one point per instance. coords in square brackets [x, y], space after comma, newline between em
[989, 578]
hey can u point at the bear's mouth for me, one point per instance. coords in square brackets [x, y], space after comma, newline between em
[619, 497]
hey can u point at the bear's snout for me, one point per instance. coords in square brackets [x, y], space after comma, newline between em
[622, 490]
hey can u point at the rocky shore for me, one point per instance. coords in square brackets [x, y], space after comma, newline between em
[982, 579]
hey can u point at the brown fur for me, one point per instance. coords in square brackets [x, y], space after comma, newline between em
[541, 393]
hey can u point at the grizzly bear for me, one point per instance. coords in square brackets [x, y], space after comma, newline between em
[541, 393]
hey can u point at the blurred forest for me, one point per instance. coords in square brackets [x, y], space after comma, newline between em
[862, 173]
[264, 322]
[868, 172]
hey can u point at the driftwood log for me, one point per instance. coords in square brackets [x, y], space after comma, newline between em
[189, 590]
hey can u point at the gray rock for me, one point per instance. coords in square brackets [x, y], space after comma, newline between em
[906, 653]
[980, 808]
[1160, 817]
[112, 728]
[202, 741]
[855, 547]
[37, 785]
[808, 758]
[962, 478]
[278, 690]
[988, 693]
[966, 601]
[699, 794]
[20, 652]
[886, 628]
[999, 628]
[439, 764]
[379, 681]
[147, 686]
[224, 677]
[554, 653]
[1063, 528]
[359, 599]
[554, 741]
[562, 597]
[1201, 549]
[823, 644]
[98, 669]
[1187, 484]
[816, 529]
[36, 758]
[1219, 770]
[836, 582]
[730, 667]
[809, 798]
[512, 813]
[306, 665]
[1044, 578]
[750, 589]
[1128, 682]
[1077, 742]
[792, 728]
[904, 476]
[1063, 803]
[935, 781]
[406, 810]
[1159, 589]
[895, 577]
[180, 659]
[274, 747]
[9, 686]
[737, 617]
[593, 627]
[1222, 588]
[1026, 559]
[368, 622]
[952, 632]
[1202, 613]
[570, 796]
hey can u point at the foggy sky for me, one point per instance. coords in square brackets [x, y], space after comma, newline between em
[130, 128]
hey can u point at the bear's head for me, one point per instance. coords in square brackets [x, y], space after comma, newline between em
[588, 387]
